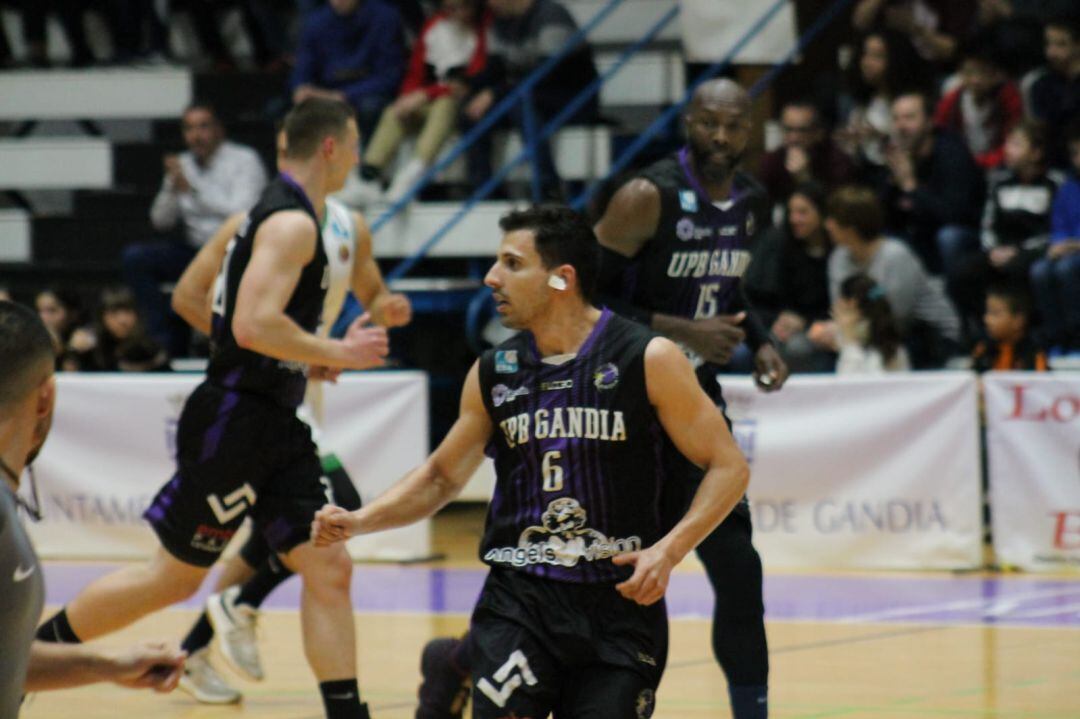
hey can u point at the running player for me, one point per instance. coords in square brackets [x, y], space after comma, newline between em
[240, 446]
[27, 398]
[675, 243]
[577, 411]
[249, 576]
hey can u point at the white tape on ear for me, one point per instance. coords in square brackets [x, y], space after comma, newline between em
[556, 283]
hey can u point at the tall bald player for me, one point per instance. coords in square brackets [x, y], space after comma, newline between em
[240, 446]
[675, 246]
[575, 410]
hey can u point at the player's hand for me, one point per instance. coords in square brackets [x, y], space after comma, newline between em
[652, 569]
[152, 665]
[716, 338]
[366, 346]
[318, 373]
[332, 524]
[770, 371]
[392, 310]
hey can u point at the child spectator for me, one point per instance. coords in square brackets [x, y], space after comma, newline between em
[868, 337]
[118, 333]
[1055, 279]
[451, 49]
[1009, 345]
[984, 107]
[1016, 221]
[61, 311]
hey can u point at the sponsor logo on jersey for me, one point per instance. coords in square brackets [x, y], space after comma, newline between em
[558, 384]
[688, 200]
[506, 361]
[606, 377]
[211, 539]
[563, 539]
[565, 423]
[714, 263]
[501, 394]
[686, 230]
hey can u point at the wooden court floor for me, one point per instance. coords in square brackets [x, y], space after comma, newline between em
[916, 661]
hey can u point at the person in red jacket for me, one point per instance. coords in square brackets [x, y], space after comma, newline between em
[451, 48]
[984, 108]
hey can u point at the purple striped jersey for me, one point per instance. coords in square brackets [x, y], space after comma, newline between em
[578, 453]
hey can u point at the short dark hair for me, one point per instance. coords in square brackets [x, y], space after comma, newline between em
[202, 104]
[926, 98]
[857, 207]
[563, 237]
[24, 344]
[805, 103]
[312, 120]
[1015, 298]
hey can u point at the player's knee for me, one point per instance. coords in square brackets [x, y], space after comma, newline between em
[328, 571]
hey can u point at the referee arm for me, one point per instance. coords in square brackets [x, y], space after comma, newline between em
[698, 430]
[426, 489]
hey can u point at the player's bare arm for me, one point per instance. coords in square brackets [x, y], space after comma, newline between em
[284, 244]
[389, 309]
[427, 488]
[60, 666]
[191, 298]
[698, 430]
[631, 219]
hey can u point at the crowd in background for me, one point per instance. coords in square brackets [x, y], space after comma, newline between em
[926, 185]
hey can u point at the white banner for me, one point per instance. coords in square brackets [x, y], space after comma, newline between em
[1033, 447]
[113, 443]
[875, 472]
[711, 28]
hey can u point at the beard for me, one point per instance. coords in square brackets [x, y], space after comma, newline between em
[711, 170]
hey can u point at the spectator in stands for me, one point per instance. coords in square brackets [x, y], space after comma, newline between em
[1053, 92]
[1016, 222]
[451, 49]
[925, 317]
[1009, 345]
[885, 64]
[788, 279]
[61, 311]
[351, 50]
[806, 154]
[525, 34]
[984, 107]
[934, 189]
[202, 186]
[119, 334]
[5, 294]
[264, 32]
[1055, 279]
[935, 27]
[867, 334]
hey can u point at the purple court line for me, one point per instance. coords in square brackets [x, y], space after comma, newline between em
[1026, 601]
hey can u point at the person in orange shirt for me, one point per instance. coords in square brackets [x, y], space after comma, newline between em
[1009, 345]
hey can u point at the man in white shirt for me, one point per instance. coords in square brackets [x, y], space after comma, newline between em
[202, 187]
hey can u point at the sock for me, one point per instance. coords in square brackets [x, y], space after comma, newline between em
[254, 591]
[341, 698]
[749, 702]
[369, 172]
[57, 630]
[199, 636]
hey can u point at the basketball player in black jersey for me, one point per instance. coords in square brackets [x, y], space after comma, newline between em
[675, 243]
[240, 446]
[576, 410]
